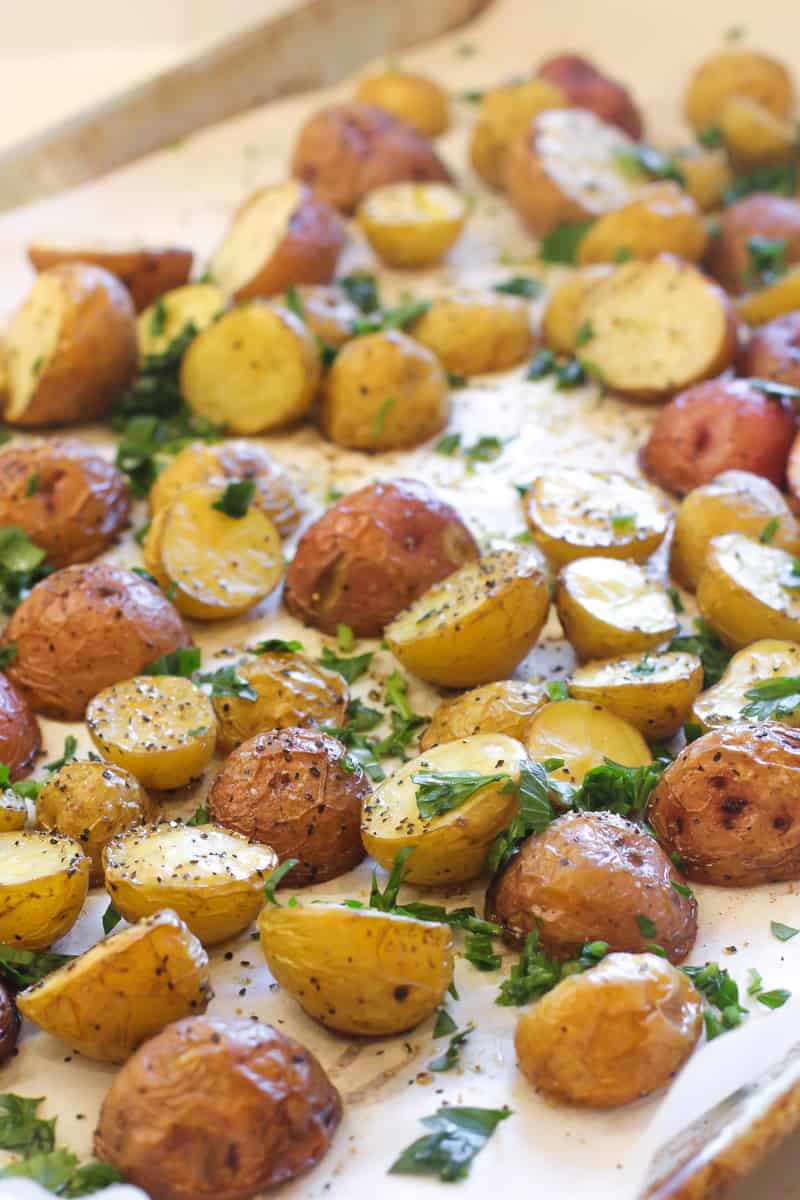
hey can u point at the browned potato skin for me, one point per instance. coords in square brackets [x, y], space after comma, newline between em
[84, 628]
[328, 313]
[9, 1023]
[346, 150]
[587, 87]
[505, 706]
[147, 274]
[373, 553]
[217, 1108]
[586, 878]
[760, 213]
[728, 805]
[308, 253]
[773, 351]
[80, 503]
[20, 738]
[288, 789]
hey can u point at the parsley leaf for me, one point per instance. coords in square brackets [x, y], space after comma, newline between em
[21, 566]
[774, 999]
[708, 648]
[767, 259]
[583, 334]
[444, 1024]
[276, 644]
[441, 791]
[520, 285]
[771, 699]
[361, 289]
[459, 1135]
[646, 159]
[646, 926]
[227, 682]
[450, 1057]
[561, 245]
[722, 993]
[236, 499]
[385, 408]
[544, 362]
[780, 178]
[199, 816]
[111, 918]
[385, 901]
[784, 933]
[557, 690]
[20, 1128]
[710, 137]
[22, 968]
[274, 878]
[479, 950]
[7, 655]
[615, 788]
[535, 814]
[486, 449]
[67, 754]
[184, 661]
[345, 638]
[769, 530]
[448, 444]
[350, 669]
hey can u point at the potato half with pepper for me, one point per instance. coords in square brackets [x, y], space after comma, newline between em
[505, 706]
[762, 662]
[653, 692]
[196, 304]
[476, 332]
[748, 590]
[608, 607]
[583, 734]
[44, 878]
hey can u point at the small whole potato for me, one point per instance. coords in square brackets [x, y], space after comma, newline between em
[215, 1107]
[412, 225]
[414, 98]
[760, 215]
[9, 1023]
[754, 136]
[737, 73]
[44, 878]
[587, 87]
[504, 114]
[147, 274]
[290, 789]
[773, 351]
[617, 1032]
[502, 707]
[475, 332]
[660, 218]
[20, 738]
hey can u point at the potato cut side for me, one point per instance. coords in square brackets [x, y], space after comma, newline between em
[359, 972]
[584, 158]
[752, 135]
[505, 706]
[660, 218]
[256, 233]
[737, 73]
[773, 300]
[749, 591]
[765, 659]
[584, 735]
[608, 607]
[31, 340]
[43, 884]
[196, 304]
[124, 990]
[559, 320]
[412, 224]
[13, 811]
[653, 692]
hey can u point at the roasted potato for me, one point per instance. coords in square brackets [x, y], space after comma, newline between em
[9, 1023]
[587, 87]
[608, 607]
[197, 305]
[504, 115]
[475, 332]
[559, 320]
[20, 738]
[373, 553]
[384, 391]
[574, 513]
[290, 690]
[83, 628]
[346, 150]
[737, 73]
[328, 312]
[754, 136]
[652, 692]
[748, 591]
[722, 425]
[297, 790]
[793, 472]
[660, 218]
[477, 624]
[502, 707]
[217, 1107]
[733, 502]
[707, 173]
[760, 215]
[44, 879]
[584, 735]
[13, 815]
[412, 224]
[773, 351]
[358, 971]
[69, 500]
[91, 802]
[280, 236]
[781, 295]
[254, 370]
[727, 805]
[415, 99]
[656, 327]
[615, 1033]
[161, 728]
[147, 274]
[762, 660]
[212, 877]
[124, 990]
[590, 876]
[449, 846]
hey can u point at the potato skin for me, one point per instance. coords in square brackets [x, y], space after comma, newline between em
[760, 214]
[728, 805]
[660, 218]
[373, 553]
[504, 114]
[20, 738]
[288, 789]
[328, 312]
[475, 332]
[773, 351]
[92, 625]
[413, 98]
[587, 87]
[147, 274]
[308, 253]
[217, 1108]
[79, 505]
[9, 1023]
[505, 706]
[737, 73]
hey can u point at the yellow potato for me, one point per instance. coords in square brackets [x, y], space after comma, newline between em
[749, 591]
[559, 320]
[161, 728]
[661, 217]
[733, 502]
[772, 300]
[504, 115]
[449, 847]
[44, 879]
[584, 734]
[707, 173]
[737, 73]
[212, 877]
[358, 971]
[328, 312]
[414, 98]
[217, 565]
[197, 304]
[764, 659]
[502, 707]
[124, 990]
[752, 135]
[608, 608]
[254, 370]
[653, 692]
[412, 224]
[13, 811]
[476, 332]
[477, 624]
[574, 513]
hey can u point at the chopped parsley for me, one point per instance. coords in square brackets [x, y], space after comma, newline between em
[557, 689]
[386, 900]
[236, 498]
[345, 638]
[111, 918]
[158, 318]
[486, 449]
[21, 566]
[226, 681]
[350, 669]
[708, 648]
[199, 816]
[780, 178]
[772, 699]
[520, 285]
[385, 408]
[391, 318]
[769, 530]
[441, 791]
[561, 245]
[67, 754]
[646, 926]
[275, 877]
[32, 485]
[459, 1134]
[774, 999]
[450, 1057]
[361, 289]
[448, 444]
[784, 933]
[675, 599]
[584, 333]
[535, 814]
[184, 661]
[623, 521]
[7, 655]
[33, 1138]
[23, 968]
[536, 973]
[710, 137]
[276, 645]
[444, 1024]
[767, 259]
[455, 380]
[645, 159]
[722, 994]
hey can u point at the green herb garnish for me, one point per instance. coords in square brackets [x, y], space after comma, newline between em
[226, 681]
[67, 754]
[784, 933]
[350, 669]
[772, 699]
[21, 566]
[23, 968]
[708, 648]
[111, 918]
[561, 245]
[199, 816]
[236, 498]
[184, 661]
[459, 1134]
[450, 1057]
[441, 791]
[275, 877]
[520, 285]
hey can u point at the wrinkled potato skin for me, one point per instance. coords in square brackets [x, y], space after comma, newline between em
[728, 805]
[504, 114]
[9, 1023]
[737, 73]
[413, 98]
[773, 351]
[758, 214]
[79, 505]
[287, 788]
[502, 707]
[372, 554]
[587, 87]
[87, 626]
[147, 274]
[585, 878]
[615, 1033]
[476, 332]
[217, 1109]
[661, 218]
[20, 738]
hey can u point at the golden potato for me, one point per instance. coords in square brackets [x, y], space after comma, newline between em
[161, 728]
[328, 312]
[617, 1032]
[559, 320]
[476, 332]
[504, 115]
[762, 660]
[505, 706]
[450, 845]
[412, 224]
[773, 300]
[384, 391]
[197, 304]
[13, 812]
[146, 274]
[608, 607]
[661, 217]
[358, 971]
[584, 735]
[211, 877]
[737, 73]
[707, 173]
[414, 98]
[44, 879]
[754, 136]
[20, 738]
[124, 990]
[748, 590]
[652, 692]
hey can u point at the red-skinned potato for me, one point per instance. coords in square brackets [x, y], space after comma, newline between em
[373, 553]
[587, 87]
[147, 274]
[793, 472]
[773, 351]
[9, 1023]
[719, 425]
[19, 731]
[761, 214]
[346, 150]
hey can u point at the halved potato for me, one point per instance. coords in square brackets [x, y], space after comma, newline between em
[358, 971]
[124, 990]
[737, 73]
[473, 332]
[653, 692]
[773, 300]
[477, 624]
[196, 304]
[502, 707]
[504, 115]
[754, 136]
[211, 877]
[161, 728]
[574, 513]
[449, 847]
[147, 274]
[608, 607]
[44, 879]
[254, 370]
[584, 735]
[748, 590]
[13, 811]
[764, 659]
[707, 173]
[412, 224]
[560, 317]
[660, 218]
[414, 98]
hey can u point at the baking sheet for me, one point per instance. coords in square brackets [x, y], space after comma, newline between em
[185, 195]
